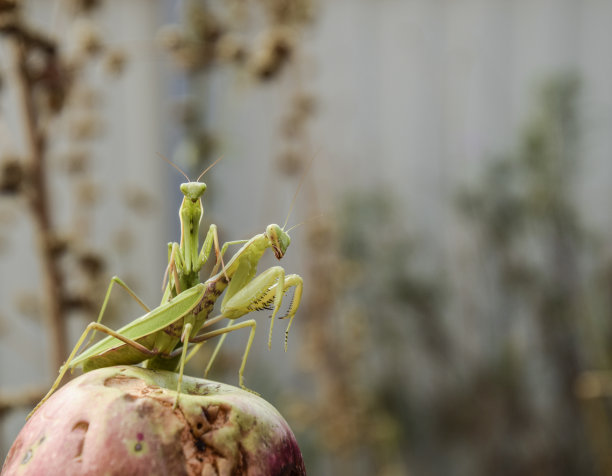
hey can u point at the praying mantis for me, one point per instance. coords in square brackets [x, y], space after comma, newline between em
[162, 335]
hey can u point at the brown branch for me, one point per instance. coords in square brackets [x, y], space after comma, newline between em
[39, 202]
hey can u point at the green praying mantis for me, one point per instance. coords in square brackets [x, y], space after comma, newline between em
[162, 336]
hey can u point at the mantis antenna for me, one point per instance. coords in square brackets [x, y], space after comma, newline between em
[183, 173]
[208, 168]
[176, 166]
[305, 221]
[298, 188]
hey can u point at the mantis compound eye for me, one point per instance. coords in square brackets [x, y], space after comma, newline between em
[193, 190]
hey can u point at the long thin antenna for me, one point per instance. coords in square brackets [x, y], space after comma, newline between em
[175, 166]
[305, 221]
[208, 168]
[299, 187]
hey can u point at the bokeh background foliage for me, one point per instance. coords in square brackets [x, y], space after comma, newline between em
[456, 237]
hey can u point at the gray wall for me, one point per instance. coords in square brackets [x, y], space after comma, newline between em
[414, 95]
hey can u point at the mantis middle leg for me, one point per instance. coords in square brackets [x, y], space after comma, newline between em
[119, 281]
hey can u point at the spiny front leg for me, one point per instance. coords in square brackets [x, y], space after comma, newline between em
[293, 280]
[171, 275]
[212, 239]
[265, 292]
[266, 300]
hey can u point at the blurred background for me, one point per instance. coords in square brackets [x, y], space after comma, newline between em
[456, 237]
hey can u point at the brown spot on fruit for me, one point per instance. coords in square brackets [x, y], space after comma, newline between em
[121, 381]
[27, 457]
[80, 429]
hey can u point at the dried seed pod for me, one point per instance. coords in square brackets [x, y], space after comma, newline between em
[79, 6]
[75, 161]
[114, 62]
[56, 244]
[87, 192]
[9, 14]
[12, 175]
[171, 37]
[91, 262]
[85, 126]
[304, 104]
[290, 162]
[231, 49]
[87, 37]
[277, 46]
[84, 97]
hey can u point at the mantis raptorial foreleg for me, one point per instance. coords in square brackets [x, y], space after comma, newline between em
[184, 264]
[269, 287]
[292, 280]
[222, 253]
[264, 290]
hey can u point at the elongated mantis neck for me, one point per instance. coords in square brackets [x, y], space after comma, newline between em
[190, 214]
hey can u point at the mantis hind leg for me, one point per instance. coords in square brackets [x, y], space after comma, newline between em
[115, 280]
[92, 327]
[223, 332]
[215, 352]
[184, 340]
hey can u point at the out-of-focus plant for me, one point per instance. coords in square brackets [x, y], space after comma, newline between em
[413, 371]
[361, 319]
[46, 81]
[258, 40]
[542, 274]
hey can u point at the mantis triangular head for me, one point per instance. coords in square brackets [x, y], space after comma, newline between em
[279, 240]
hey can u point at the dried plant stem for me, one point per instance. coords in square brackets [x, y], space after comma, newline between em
[38, 201]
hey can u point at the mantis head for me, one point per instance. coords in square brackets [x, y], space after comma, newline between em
[193, 190]
[279, 240]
